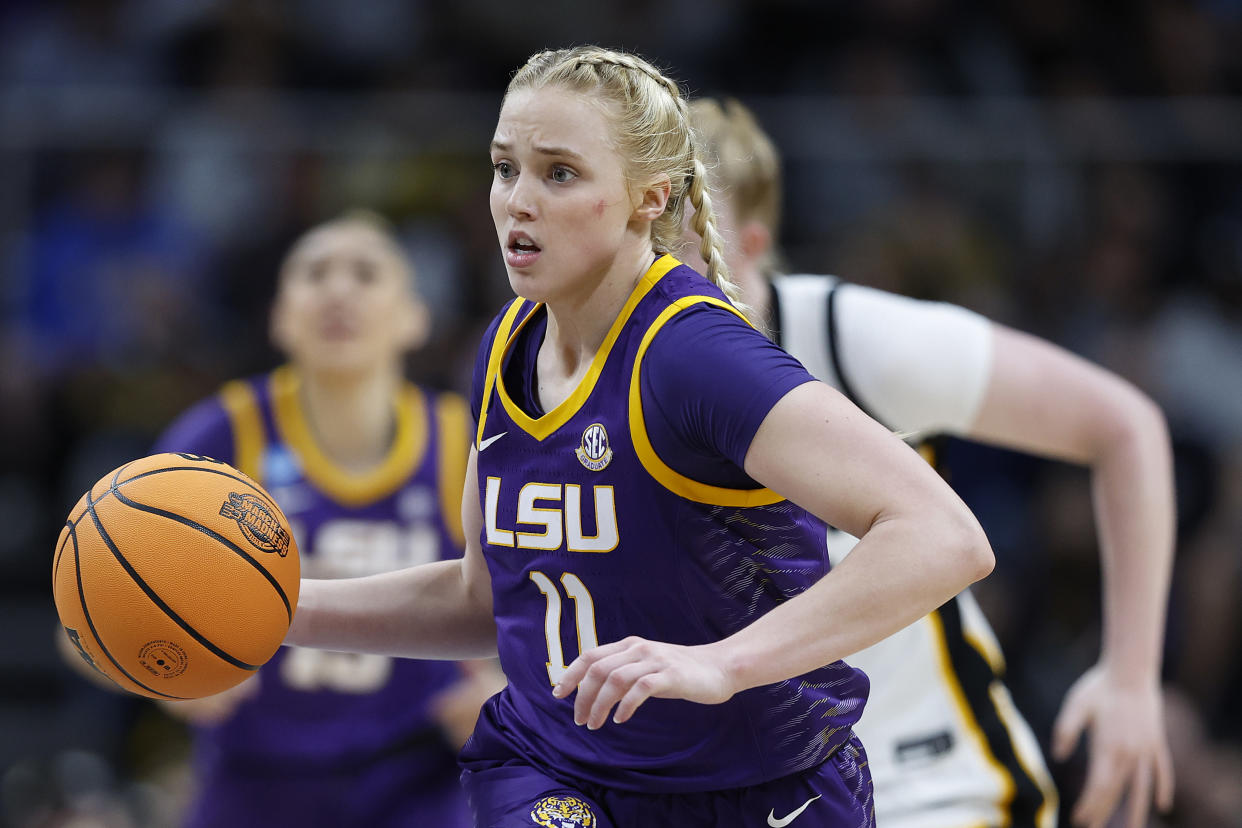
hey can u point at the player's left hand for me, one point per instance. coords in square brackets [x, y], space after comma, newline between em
[628, 672]
[1128, 750]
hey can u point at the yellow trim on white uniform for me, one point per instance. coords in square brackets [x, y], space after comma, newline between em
[667, 477]
[1008, 786]
[542, 427]
[453, 427]
[242, 407]
[347, 488]
[979, 635]
[1027, 752]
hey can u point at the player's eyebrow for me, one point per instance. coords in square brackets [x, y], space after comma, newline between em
[559, 152]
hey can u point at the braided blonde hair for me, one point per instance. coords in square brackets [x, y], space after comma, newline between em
[744, 164]
[653, 133]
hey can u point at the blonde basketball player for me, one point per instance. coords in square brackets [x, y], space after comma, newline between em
[645, 505]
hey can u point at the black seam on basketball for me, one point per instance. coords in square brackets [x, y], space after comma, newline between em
[77, 567]
[113, 487]
[184, 521]
[242, 480]
[61, 551]
[159, 602]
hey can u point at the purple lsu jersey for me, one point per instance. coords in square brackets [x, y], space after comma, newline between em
[316, 708]
[589, 537]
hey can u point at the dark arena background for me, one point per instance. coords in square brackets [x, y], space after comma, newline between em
[1072, 169]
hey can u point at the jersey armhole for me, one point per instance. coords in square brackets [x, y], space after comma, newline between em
[499, 345]
[663, 474]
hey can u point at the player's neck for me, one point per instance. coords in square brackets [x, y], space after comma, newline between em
[352, 416]
[756, 293]
[578, 325]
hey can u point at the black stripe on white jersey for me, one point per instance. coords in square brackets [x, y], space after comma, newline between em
[975, 676]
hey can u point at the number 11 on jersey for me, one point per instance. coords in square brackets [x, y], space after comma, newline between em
[584, 619]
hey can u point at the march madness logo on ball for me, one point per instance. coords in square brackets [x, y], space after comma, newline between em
[563, 812]
[257, 523]
[594, 453]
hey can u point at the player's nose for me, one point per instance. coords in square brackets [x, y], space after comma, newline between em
[521, 200]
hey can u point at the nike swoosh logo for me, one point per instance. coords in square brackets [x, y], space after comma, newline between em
[783, 821]
[483, 445]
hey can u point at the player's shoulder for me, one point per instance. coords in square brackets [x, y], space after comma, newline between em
[509, 316]
[686, 288]
[441, 401]
[801, 287]
[681, 280]
[207, 426]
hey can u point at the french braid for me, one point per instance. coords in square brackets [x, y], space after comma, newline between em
[653, 132]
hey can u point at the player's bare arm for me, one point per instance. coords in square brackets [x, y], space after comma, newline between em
[436, 610]
[920, 547]
[1097, 419]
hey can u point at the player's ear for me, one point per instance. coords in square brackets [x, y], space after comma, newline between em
[652, 199]
[755, 240]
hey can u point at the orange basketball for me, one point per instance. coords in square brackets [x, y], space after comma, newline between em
[176, 576]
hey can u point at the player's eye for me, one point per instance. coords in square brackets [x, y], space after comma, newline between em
[562, 175]
[316, 272]
[504, 169]
[365, 272]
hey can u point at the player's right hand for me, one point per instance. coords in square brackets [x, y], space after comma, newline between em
[212, 710]
[1128, 756]
[626, 673]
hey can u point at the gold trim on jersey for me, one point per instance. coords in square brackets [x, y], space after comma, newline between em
[242, 407]
[453, 427]
[541, 427]
[499, 344]
[348, 488]
[1008, 786]
[673, 481]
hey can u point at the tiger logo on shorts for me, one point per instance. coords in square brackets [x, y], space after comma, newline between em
[562, 812]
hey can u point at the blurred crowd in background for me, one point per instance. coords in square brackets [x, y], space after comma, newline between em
[1073, 169]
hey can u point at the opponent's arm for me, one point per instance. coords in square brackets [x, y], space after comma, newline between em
[437, 610]
[1043, 400]
[923, 366]
[919, 547]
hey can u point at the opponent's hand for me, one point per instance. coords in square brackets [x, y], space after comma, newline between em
[628, 672]
[1128, 750]
[212, 710]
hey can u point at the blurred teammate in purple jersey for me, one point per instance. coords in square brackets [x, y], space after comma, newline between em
[368, 468]
[645, 505]
[947, 746]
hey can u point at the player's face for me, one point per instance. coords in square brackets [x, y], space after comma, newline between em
[345, 304]
[560, 198]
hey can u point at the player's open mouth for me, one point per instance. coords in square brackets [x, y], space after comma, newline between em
[521, 250]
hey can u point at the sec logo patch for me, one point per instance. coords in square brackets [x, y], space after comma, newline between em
[594, 451]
